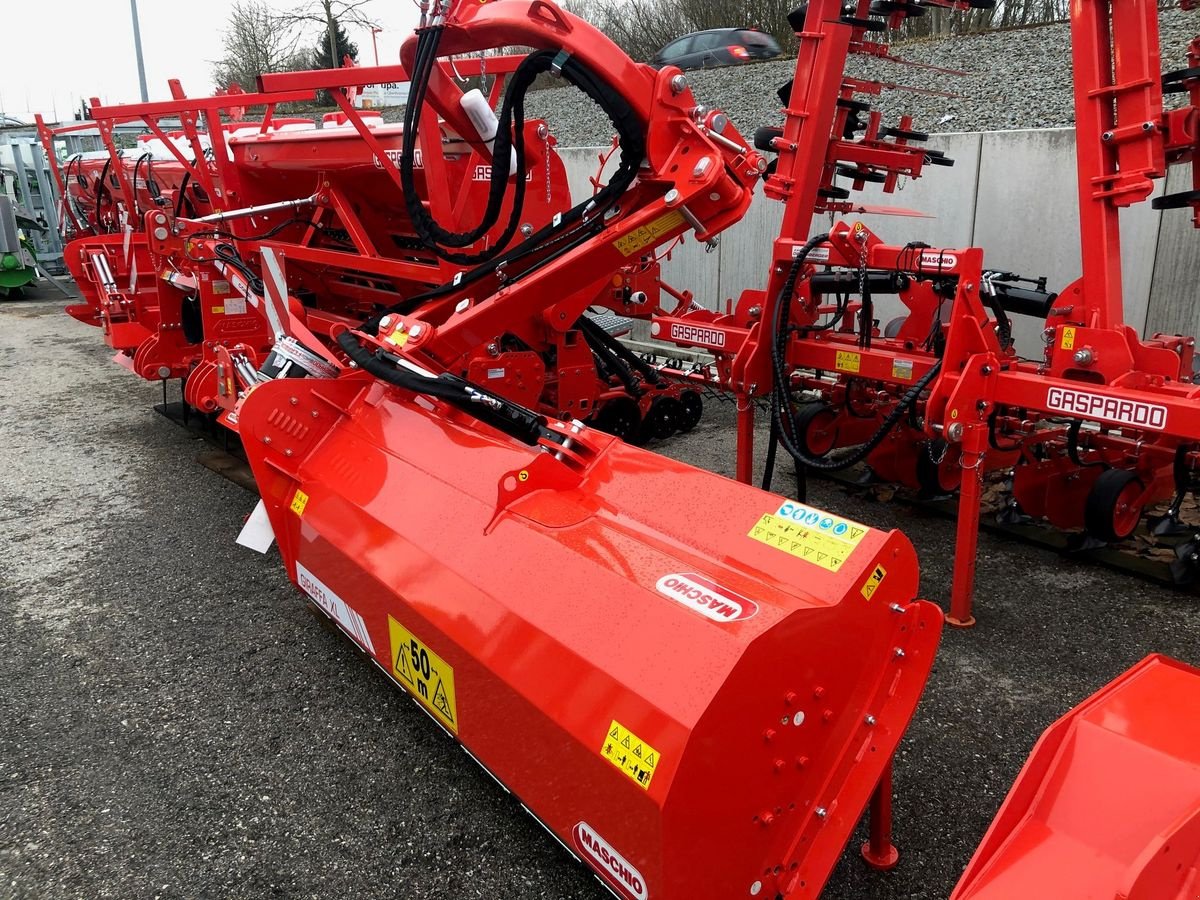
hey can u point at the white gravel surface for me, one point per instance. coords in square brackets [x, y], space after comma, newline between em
[1018, 79]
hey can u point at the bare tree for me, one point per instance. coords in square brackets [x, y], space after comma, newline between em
[329, 15]
[254, 44]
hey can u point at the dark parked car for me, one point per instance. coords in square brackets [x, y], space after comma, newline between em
[718, 47]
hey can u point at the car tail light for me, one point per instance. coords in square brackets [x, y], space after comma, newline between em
[739, 52]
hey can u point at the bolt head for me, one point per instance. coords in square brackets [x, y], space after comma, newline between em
[679, 84]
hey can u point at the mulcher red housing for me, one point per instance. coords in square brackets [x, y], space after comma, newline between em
[633, 685]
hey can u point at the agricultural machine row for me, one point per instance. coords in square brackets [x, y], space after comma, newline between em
[397, 321]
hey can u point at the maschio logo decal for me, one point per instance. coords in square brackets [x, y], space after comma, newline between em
[616, 869]
[701, 595]
[1097, 406]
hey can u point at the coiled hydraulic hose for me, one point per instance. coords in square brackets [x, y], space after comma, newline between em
[783, 417]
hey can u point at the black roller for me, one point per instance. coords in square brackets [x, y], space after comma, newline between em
[764, 136]
[1176, 201]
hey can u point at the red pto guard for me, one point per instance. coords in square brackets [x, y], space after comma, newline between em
[694, 685]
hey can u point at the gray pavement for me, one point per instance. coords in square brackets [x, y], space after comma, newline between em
[175, 723]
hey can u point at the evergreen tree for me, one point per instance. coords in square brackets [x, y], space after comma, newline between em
[341, 41]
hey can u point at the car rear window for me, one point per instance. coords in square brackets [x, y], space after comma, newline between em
[756, 39]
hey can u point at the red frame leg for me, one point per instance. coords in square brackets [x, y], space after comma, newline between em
[879, 851]
[966, 543]
[745, 439]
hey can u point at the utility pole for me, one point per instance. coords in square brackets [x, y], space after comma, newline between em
[137, 46]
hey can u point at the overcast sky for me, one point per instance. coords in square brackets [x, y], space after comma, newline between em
[59, 51]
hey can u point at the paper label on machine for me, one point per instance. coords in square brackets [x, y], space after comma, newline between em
[614, 866]
[335, 607]
[812, 535]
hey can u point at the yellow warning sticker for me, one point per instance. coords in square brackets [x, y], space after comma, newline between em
[812, 535]
[652, 233]
[630, 754]
[221, 287]
[299, 502]
[427, 676]
[218, 310]
[874, 580]
[1068, 338]
[902, 369]
[848, 362]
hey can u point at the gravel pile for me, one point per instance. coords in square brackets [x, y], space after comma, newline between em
[1018, 79]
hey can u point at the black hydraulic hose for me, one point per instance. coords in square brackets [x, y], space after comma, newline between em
[510, 418]
[137, 210]
[611, 360]
[781, 400]
[647, 371]
[1073, 447]
[629, 128]
[101, 187]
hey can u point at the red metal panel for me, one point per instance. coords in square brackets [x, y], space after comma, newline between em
[1108, 805]
[772, 689]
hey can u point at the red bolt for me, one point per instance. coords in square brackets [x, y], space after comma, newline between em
[827, 715]
[819, 693]
[801, 762]
[769, 734]
[766, 819]
[780, 765]
[790, 698]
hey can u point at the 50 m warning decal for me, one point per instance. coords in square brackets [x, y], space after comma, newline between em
[630, 754]
[809, 534]
[429, 677]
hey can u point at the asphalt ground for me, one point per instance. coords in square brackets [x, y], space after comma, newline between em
[175, 721]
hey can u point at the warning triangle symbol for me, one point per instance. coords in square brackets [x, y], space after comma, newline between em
[637, 751]
[650, 760]
[625, 743]
[441, 702]
[615, 733]
[855, 532]
[808, 551]
[821, 556]
[402, 668]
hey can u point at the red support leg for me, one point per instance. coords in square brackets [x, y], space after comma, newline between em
[745, 439]
[879, 851]
[966, 543]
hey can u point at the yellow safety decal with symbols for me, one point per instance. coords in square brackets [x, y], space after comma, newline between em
[848, 362]
[648, 234]
[809, 534]
[874, 580]
[299, 502]
[1068, 339]
[630, 754]
[426, 675]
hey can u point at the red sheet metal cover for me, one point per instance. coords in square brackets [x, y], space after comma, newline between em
[1108, 805]
[695, 685]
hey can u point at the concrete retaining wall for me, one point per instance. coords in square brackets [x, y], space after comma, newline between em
[1014, 193]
